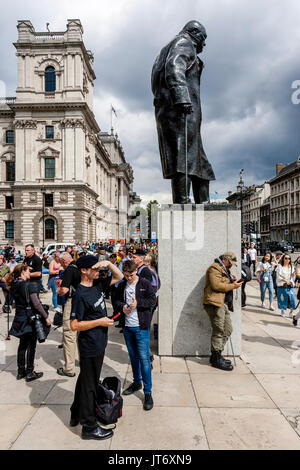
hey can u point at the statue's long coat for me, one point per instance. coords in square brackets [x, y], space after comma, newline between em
[176, 79]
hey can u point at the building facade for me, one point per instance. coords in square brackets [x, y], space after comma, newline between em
[285, 202]
[249, 201]
[61, 178]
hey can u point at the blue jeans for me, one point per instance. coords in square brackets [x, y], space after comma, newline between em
[264, 286]
[138, 345]
[286, 298]
[53, 287]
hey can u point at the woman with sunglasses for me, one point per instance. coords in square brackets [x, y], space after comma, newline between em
[285, 285]
[264, 271]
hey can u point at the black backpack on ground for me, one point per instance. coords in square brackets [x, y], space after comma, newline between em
[109, 402]
[58, 319]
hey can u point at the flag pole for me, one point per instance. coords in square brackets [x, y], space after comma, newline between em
[111, 127]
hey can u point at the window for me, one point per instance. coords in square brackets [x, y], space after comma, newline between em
[9, 229]
[49, 168]
[48, 200]
[10, 171]
[9, 202]
[10, 137]
[50, 80]
[49, 132]
[49, 229]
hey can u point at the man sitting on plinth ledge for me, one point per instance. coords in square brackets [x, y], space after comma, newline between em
[218, 302]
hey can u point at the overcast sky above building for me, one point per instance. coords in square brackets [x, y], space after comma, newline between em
[251, 60]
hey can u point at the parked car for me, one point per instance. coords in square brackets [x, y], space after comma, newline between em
[55, 247]
[282, 245]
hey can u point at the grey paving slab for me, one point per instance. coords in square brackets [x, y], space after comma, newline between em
[14, 391]
[232, 391]
[248, 429]
[201, 365]
[283, 389]
[264, 355]
[168, 390]
[173, 365]
[49, 430]
[13, 420]
[293, 417]
[160, 429]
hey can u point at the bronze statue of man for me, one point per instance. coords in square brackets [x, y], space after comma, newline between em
[176, 88]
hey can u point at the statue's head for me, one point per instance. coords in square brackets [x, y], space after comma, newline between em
[197, 32]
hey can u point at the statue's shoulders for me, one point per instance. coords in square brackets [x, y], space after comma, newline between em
[182, 40]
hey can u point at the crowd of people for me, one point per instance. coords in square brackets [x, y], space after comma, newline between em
[80, 282]
[278, 276]
[81, 278]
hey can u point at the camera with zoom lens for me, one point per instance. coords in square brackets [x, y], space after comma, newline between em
[103, 272]
[39, 329]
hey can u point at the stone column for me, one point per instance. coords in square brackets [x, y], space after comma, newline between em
[189, 241]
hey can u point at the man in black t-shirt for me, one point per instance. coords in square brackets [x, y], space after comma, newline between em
[89, 318]
[70, 281]
[35, 263]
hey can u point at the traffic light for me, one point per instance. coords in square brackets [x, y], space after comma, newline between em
[248, 229]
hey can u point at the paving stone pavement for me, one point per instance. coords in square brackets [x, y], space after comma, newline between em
[196, 406]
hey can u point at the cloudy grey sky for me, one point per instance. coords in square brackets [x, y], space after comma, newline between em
[251, 60]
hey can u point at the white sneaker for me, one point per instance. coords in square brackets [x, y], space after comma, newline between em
[58, 309]
[263, 306]
[272, 308]
[282, 313]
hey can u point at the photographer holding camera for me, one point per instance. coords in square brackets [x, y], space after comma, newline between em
[27, 328]
[89, 318]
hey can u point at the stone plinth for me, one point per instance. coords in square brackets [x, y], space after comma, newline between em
[190, 238]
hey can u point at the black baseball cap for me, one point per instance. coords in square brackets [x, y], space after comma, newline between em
[86, 262]
[139, 252]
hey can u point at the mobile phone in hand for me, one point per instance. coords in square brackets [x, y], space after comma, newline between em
[115, 317]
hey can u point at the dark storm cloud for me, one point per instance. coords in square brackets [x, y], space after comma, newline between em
[251, 60]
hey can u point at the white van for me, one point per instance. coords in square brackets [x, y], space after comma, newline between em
[56, 247]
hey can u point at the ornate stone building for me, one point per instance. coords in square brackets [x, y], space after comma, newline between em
[285, 202]
[60, 177]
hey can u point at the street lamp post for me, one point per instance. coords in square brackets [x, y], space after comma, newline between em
[241, 190]
[43, 189]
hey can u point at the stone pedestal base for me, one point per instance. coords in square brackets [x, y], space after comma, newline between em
[190, 238]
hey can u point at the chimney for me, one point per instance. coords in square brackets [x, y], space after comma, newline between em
[279, 167]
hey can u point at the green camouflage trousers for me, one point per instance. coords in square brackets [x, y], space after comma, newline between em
[221, 325]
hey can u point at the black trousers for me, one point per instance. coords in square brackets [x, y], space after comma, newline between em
[26, 353]
[84, 407]
[243, 294]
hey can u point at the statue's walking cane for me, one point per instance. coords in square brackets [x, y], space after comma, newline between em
[186, 161]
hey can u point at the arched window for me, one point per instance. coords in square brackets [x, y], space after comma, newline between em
[49, 229]
[50, 79]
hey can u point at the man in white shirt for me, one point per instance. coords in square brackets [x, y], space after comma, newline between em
[253, 255]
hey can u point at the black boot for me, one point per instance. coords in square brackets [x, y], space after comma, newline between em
[219, 362]
[21, 374]
[98, 433]
[33, 376]
[226, 360]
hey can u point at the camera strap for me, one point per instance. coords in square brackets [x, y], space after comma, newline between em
[27, 297]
